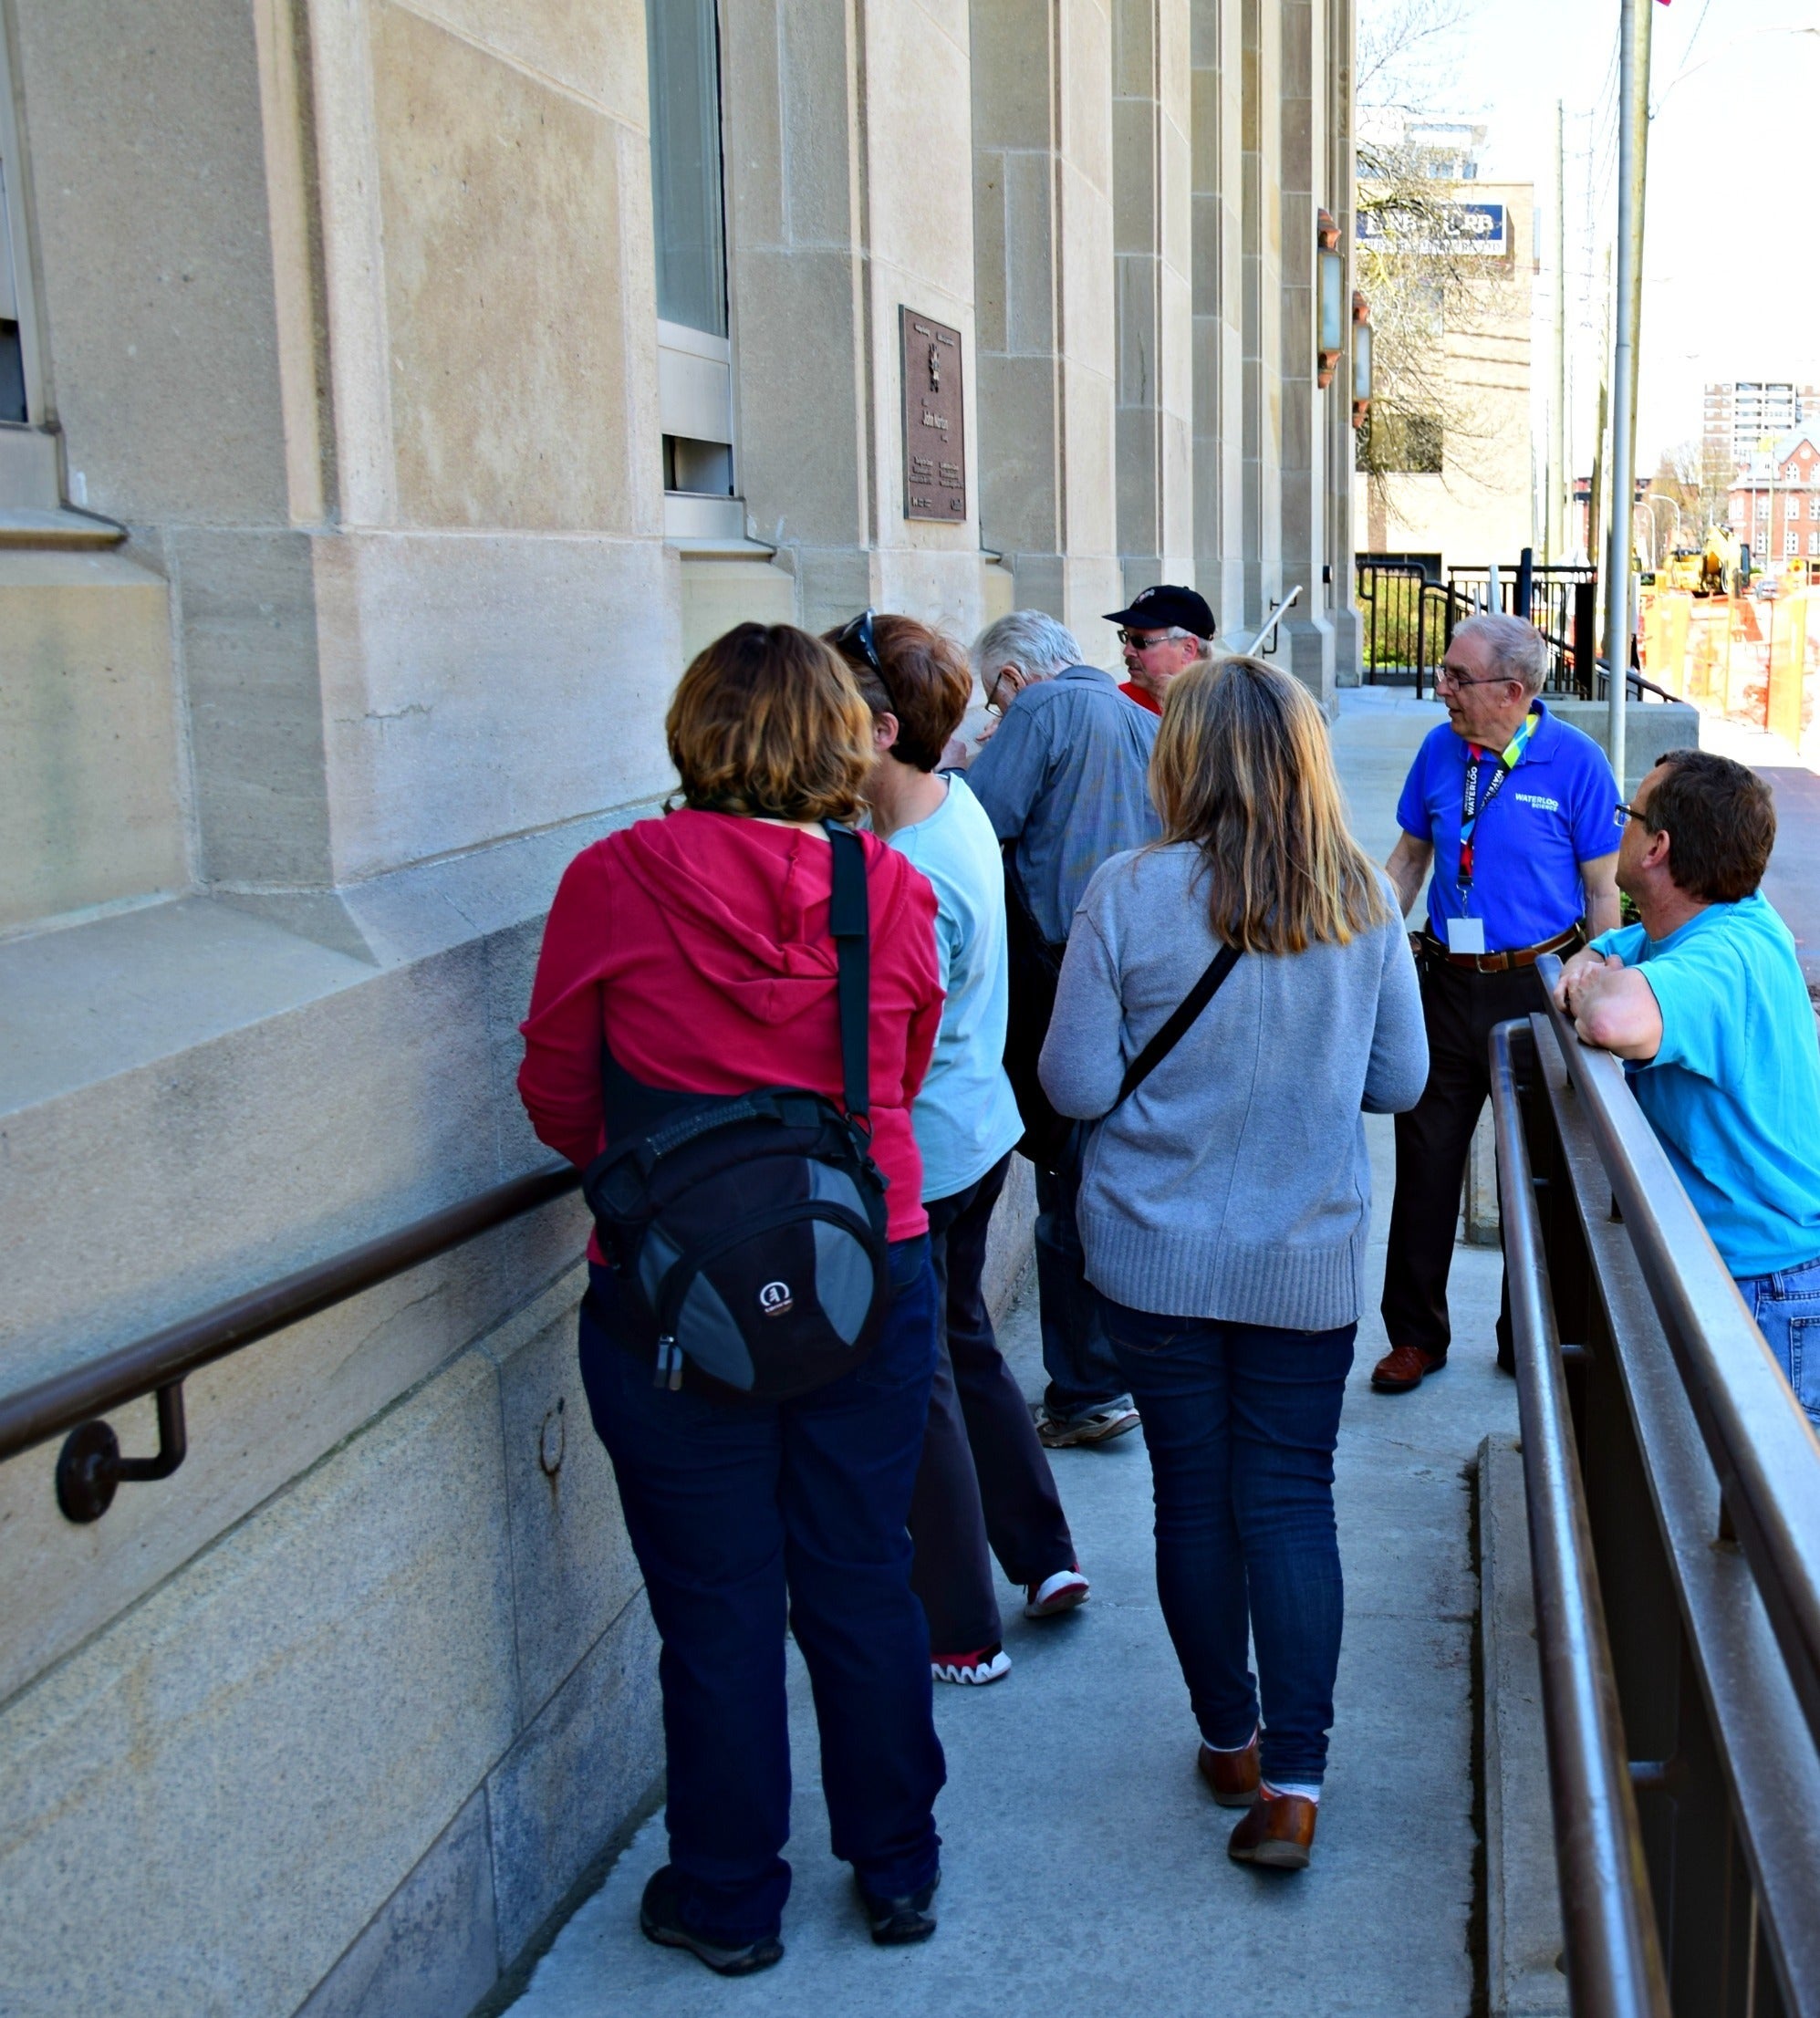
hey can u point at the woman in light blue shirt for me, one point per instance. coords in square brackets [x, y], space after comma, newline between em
[984, 1487]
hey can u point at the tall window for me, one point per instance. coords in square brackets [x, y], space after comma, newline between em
[694, 359]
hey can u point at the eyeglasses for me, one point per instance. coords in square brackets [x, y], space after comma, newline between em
[1634, 812]
[1446, 673]
[1141, 641]
[857, 637]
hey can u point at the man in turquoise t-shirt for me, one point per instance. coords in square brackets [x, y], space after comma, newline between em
[1705, 1000]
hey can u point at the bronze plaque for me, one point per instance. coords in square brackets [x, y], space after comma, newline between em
[935, 432]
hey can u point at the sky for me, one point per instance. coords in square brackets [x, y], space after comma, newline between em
[1731, 255]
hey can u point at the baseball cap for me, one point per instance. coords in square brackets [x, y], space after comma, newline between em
[1167, 606]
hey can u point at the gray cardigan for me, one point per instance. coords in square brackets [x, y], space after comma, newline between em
[1234, 1182]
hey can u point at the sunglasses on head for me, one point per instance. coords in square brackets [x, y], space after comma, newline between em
[857, 637]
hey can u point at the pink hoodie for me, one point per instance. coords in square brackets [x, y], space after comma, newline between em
[698, 944]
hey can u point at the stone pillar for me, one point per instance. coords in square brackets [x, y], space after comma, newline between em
[850, 185]
[1343, 444]
[1042, 255]
[1307, 638]
[1151, 189]
[1217, 77]
[1261, 433]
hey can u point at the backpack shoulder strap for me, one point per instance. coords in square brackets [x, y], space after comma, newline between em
[848, 922]
[1181, 1021]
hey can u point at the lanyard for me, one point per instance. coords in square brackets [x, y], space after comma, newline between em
[1471, 806]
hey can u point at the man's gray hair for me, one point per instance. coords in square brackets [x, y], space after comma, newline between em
[1030, 639]
[1206, 649]
[1516, 649]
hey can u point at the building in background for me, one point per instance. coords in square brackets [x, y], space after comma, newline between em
[1444, 470]
[1742, 412]
[1774, 502]
[393, 394]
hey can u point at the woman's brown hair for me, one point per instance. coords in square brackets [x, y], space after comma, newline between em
[767, 720]
[923, 678]
[1243, 768]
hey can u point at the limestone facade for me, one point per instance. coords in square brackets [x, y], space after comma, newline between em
[364, 501]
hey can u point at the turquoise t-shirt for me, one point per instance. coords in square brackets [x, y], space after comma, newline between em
[1735, 1092]
[966, 1116]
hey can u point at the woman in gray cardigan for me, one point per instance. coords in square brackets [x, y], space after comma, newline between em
[1225, 1203]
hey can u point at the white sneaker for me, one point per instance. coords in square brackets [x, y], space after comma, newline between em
[989, 1664]
[1059, 1593]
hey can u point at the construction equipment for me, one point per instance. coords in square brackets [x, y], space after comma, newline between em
[1718, 564]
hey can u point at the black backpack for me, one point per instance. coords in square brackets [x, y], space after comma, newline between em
[748, 1229]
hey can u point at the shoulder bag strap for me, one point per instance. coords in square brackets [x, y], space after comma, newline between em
[848, 922]
[1181, 1020]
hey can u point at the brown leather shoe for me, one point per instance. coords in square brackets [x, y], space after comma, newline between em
[1277, 1831]
[1233, 1776]
[1404, 1367]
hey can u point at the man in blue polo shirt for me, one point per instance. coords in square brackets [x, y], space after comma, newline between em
[1705, 999]
[1517, 813]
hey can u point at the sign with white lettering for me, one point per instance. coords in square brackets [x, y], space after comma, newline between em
[1443, 227]
[935, 427]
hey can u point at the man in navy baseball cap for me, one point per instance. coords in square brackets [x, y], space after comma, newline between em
[1167, 630]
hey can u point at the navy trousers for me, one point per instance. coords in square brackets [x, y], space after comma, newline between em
[1242, 1422]
[736, 1510]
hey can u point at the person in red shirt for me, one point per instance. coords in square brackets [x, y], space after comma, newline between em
[697, 947]
[1167, 630]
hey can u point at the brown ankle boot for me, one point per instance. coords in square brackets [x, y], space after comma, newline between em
[1278, 1831]
[1233, 1776]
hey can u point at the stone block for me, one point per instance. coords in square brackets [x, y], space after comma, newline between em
[1030, 253]
[1010, 43]
[576, 1776]
[89, 808]
[1086, 44]
[1010, 1254]
[481, 685]
[717, 594]
[199, 1805]
[431, 1951]
[992, 280]
[597, 51]
[1134, 178]
[1523, 1937]
[1649, 728]
[815, 64]
[148, 182]
[517, 262]
[1017, 453]
[572, 1571]
[919, 159]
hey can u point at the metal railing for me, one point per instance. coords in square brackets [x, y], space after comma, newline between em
[91, 1469]
[1674, 1513]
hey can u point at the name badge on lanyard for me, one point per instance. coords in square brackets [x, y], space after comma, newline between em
[1465, 933]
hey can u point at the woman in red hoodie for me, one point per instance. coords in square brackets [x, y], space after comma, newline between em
[697, 947]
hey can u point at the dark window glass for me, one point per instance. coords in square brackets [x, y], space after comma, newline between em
[685, 149]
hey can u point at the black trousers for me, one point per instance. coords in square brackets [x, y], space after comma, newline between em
[1460, 1007]
[984, 1481]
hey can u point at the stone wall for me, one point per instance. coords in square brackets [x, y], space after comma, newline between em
[348, 318]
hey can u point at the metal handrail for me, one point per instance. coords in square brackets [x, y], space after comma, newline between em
[1614, 1957]
[1276, 616]
[1760, 1444]
[69, 1404]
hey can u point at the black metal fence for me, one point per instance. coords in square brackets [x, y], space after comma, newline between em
[1408, 618]
[1674, 1513]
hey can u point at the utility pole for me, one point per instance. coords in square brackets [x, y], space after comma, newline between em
[1623, 444]
[1560, 477]
[1639, 112]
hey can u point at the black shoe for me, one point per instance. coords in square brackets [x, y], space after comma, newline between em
[660, 1921]
[897, 1922]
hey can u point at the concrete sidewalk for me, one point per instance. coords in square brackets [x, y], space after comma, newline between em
[1085, 1870]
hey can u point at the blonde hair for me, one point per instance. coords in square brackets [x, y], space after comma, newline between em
[767, 720]
[1243, 768]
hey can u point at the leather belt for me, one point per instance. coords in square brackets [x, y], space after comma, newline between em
[1426, 944]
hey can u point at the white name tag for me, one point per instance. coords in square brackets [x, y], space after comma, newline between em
[1466, 935]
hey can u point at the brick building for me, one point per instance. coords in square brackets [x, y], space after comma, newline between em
[1742, 411]
[1775, 504]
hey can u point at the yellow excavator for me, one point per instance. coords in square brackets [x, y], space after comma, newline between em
[1718, 561]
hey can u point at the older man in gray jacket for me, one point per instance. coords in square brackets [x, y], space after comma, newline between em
[1063, 780]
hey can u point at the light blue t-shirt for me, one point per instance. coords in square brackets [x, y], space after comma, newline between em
[1556, 811]
[966, 1117]
[1735, 1092]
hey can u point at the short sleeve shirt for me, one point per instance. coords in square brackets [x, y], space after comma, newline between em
[1555, 811]
[966, 1116]
[1733, 1094]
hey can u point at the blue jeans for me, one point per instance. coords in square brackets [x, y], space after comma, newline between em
[734, 1509]
[1787, 1310]
[1242, 1422]
[1076, 1354]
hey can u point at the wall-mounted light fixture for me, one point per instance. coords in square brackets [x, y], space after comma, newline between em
[1361, 358]
[1332, 263]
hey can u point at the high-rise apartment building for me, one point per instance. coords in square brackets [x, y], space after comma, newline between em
[1742, 411]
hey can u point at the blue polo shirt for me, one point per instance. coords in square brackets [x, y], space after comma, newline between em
[1733, 1095]
[1555, 811]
